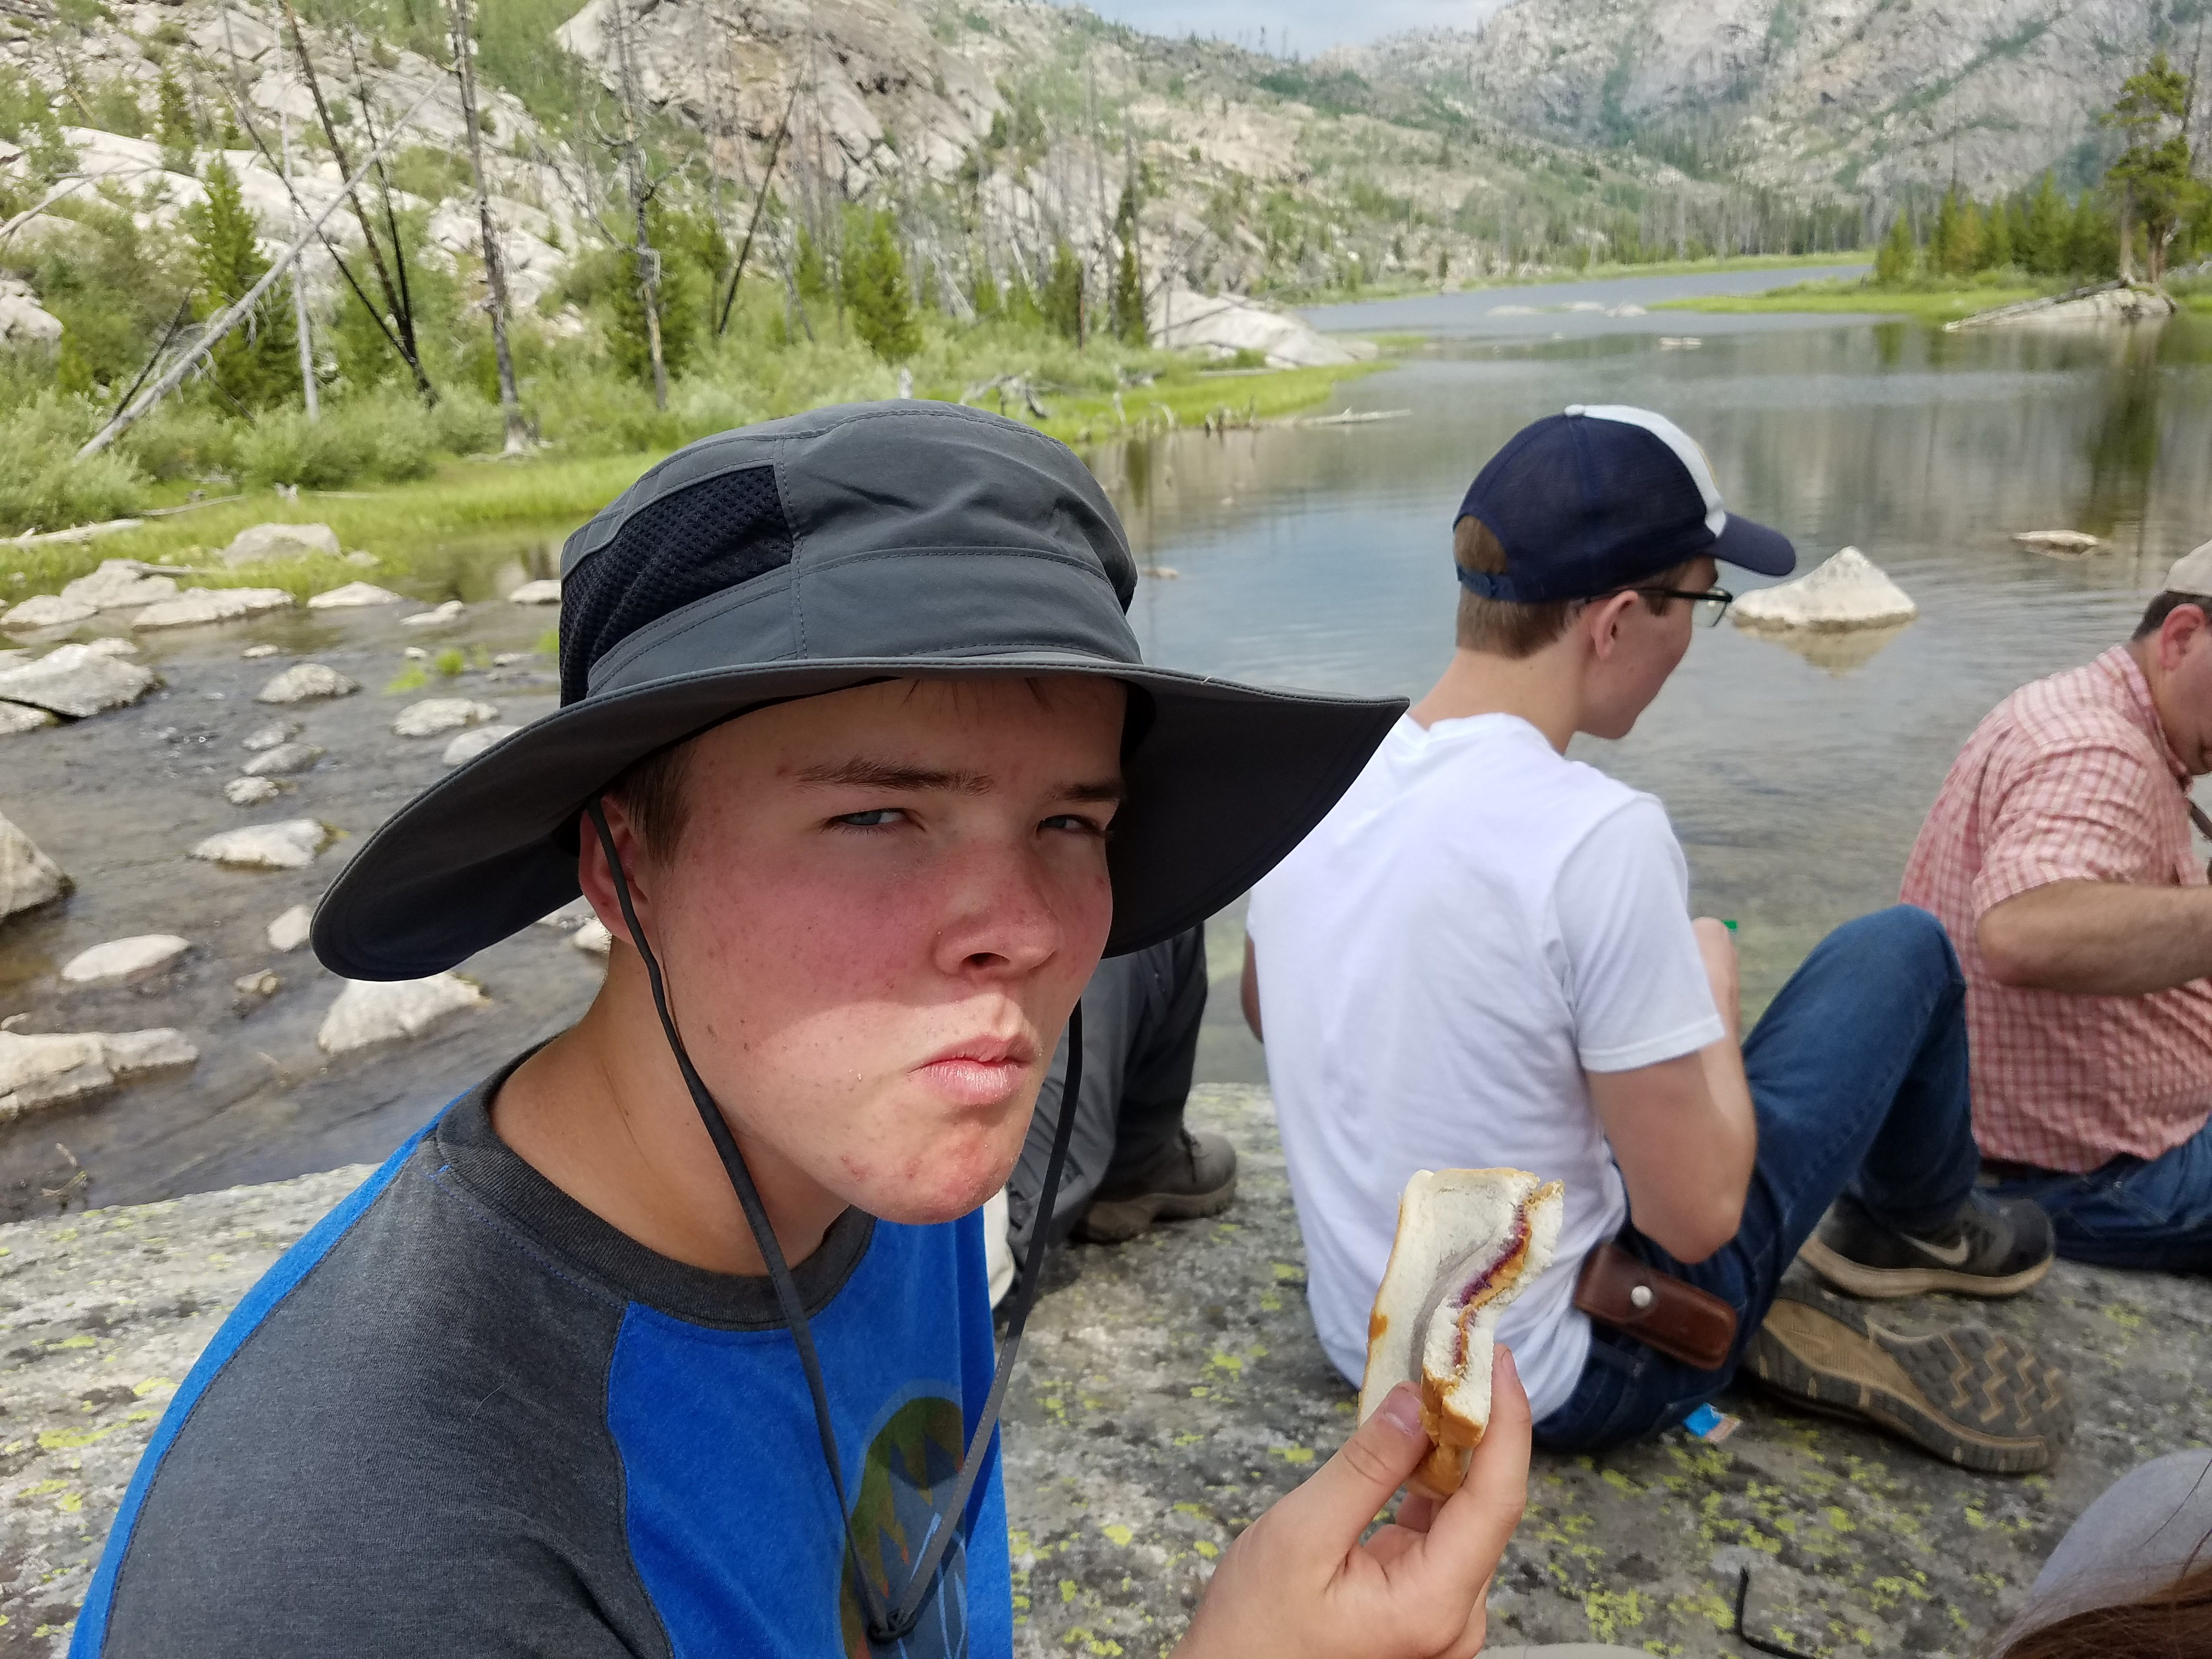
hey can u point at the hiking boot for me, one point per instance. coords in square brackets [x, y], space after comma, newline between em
[1970, 1396]
[1993, 1247]
[1196, 1175]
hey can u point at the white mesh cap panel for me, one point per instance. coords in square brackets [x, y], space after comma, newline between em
[1684, 447]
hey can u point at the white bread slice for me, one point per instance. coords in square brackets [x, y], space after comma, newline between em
[1467, 1242]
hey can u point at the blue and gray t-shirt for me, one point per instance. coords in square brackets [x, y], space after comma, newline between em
[465, 1415]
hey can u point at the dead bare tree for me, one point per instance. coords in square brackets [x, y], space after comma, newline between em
[760, 202]
[632, 150]
[495, 261]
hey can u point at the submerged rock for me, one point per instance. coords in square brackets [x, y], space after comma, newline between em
[264, 542]
[211, 605]
[47, 611]
[50, 1069]
[256, 653]
[283, 760]
[304, 681]
[263, 984]
[352, 596]
[289, 845]
[125, 960]
[433, 716]
[1848, 591]
[121, 585]
[466, 747]
[446, 612]
[2064, 543]
[289, 930]
[370, 1011]
[536, 593]
[75, 680]
[21, 717]
[251, 792]
[269, 735]
[28, 876]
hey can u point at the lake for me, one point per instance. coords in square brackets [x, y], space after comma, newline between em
[1315, 556]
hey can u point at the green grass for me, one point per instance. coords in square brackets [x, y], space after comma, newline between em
[1935, 305]
[1416, 285]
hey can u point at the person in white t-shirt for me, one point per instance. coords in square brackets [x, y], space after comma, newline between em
[1484, 957]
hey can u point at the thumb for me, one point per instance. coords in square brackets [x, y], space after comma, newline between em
[1323, 1518]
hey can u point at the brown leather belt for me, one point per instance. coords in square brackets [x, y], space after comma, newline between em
[1665, 1314]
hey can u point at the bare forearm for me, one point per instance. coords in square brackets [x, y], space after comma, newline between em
[2099, 939]
[1735, 1134]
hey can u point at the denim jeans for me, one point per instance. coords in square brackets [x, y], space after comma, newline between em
[1858, 1081]
[2133, 1211]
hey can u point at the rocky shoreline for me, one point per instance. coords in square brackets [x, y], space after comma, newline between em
[1172, 1388]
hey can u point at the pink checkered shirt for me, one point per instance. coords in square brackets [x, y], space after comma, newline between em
[2070, 778]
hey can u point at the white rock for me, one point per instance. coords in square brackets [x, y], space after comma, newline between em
[255, 653]
[289, 930]
[2066, 544]
[283, 760]
[435, 715]
[24, 322]
[75, 680]
[120, 584]
[264, 542]
[1848, 591]
[211, 605]
[572, 914]
[28, 876]
[538, 592]
[361, 561]
[291, 845]
[466, 747]
[369, 1011]
[125, 959]
[270, 736]
[445, 613]
[1227, 323]
[592, 938]
[48, 1069]
[263, 984]
[21, 717]
[303, 681]
[251, 792]
[113, 645]
[352, 596]
[47, 611]
[415, 654]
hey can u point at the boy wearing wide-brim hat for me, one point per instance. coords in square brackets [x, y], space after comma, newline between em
[673, 1336]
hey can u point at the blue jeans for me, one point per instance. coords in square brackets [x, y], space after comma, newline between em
[2132, 1211]
[1858, 1080]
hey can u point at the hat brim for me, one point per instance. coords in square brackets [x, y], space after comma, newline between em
[1225, 779]
[1750, 546]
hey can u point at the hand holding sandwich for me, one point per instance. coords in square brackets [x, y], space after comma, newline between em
[1299, 1583]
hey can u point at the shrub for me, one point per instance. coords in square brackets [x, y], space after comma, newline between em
[44, 485]
[181, 440]
[284, 447]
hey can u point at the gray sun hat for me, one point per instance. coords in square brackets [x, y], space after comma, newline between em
[850, 546]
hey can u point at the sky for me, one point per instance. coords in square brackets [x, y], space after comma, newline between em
[1306, 27]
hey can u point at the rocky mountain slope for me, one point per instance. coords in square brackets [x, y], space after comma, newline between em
[1860, 96]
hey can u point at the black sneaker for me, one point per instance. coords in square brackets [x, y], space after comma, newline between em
[1993, 1247]
[1195, 1177]
[1970, 1396]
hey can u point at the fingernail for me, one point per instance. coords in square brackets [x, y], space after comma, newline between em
[1403, 1408]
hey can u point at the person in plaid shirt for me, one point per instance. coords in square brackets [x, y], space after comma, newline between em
[2058, 856]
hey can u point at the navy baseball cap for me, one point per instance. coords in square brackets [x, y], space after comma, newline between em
[1600, 498]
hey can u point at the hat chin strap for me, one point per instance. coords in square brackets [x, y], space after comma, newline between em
[887, 1627]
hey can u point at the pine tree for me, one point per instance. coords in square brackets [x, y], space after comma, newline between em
[2153, 177]
[1021, 306]
[1061, 302]
[2043, 249]
[1892, 264]
[1129, 324]
[257, 362]
[1996, 237]
[809, 270]
[176, 125]
[875, 286]
[983, 293]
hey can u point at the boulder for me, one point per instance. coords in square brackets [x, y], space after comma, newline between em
[25, 322]
[75, 680]
[592, 938]
[1226, 323]
[211, 605]
[536, 593]
[121, 585]
[1848, 591]
[2060, 543]
[28, 876]
[2110, 302]
[251, 792]
[263, 542]
[122, 960]
[291, 845]
[269, 735]
[113, 645]
[437, 716]
[445, 613]
[304, 681]
[571, 915]
[256, 653]
[47, 611]
[352, 596]
[263, 984]
[466, 747]
[50, 1069]
[289, 930]
[21, 717]
[370, 1011]
[283, 760]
